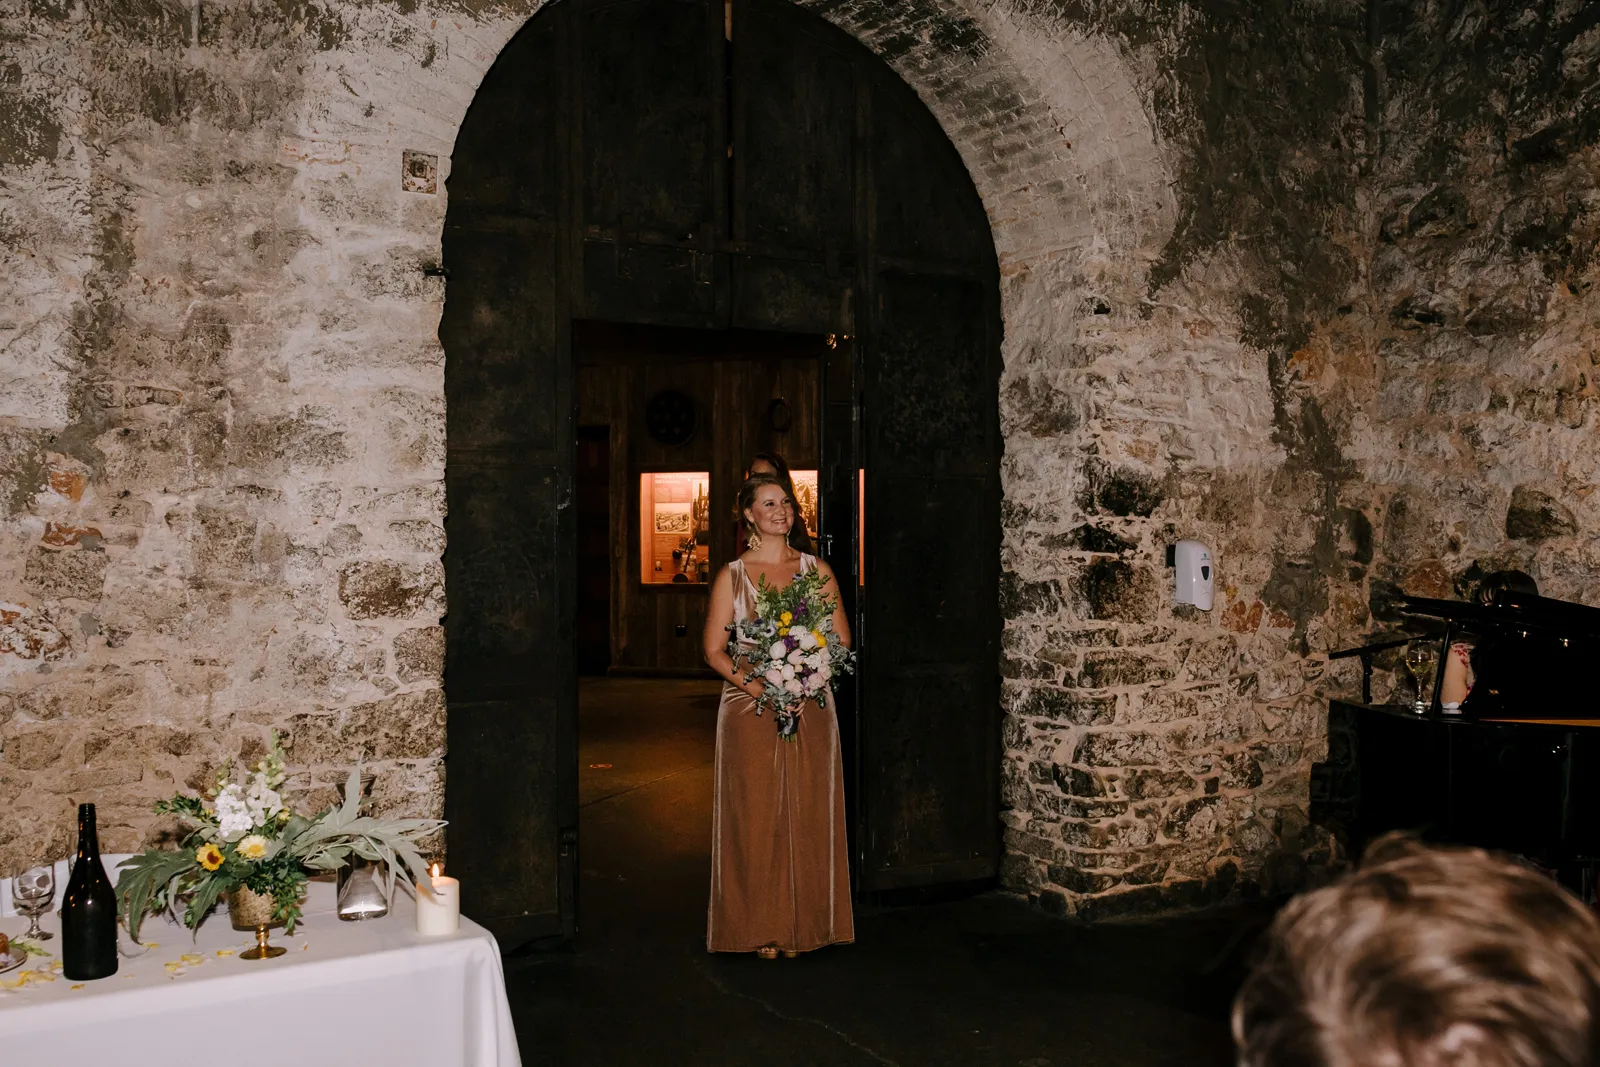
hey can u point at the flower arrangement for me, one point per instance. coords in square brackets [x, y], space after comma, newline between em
[791, 647]
[242, 835]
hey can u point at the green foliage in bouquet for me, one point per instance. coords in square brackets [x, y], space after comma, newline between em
[242, 835]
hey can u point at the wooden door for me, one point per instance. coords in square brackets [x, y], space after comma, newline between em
[649, 127]
[593, 500]
[796, 149]
[929, 446]
[509, 680]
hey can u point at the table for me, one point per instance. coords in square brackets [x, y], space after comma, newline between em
[346, 994]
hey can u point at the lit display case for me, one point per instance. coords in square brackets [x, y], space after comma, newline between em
[674, 527]
[805, 492]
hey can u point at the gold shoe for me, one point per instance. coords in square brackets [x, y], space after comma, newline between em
[768, 952]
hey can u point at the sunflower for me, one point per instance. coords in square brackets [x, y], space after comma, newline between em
[209, 856]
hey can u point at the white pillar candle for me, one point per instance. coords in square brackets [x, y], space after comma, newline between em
[438, 903]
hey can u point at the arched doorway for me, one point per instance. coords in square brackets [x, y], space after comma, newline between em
[719, 165]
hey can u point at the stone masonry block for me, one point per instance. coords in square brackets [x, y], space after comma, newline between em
[419, 654]
[383, 588]
[1121, 748]
[1047, 702]
[74, 573]
[1107, 668]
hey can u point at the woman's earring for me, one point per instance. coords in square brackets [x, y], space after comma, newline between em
[754, 540]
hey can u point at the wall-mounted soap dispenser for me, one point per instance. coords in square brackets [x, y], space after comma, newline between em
[1195, 573]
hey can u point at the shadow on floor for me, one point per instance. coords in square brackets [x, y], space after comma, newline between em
[975, 982]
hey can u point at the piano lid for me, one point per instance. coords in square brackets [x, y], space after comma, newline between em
[1511, 612]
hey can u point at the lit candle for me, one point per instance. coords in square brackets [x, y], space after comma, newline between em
[438, 903]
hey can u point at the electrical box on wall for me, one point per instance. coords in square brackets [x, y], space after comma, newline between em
[1195, 574]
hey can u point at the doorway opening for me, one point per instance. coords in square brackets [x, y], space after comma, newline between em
[678, 414]
[637, 180]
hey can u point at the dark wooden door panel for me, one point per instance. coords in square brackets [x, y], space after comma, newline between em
[928, 747]
[932, 575]
[652, 285]
[503, 618]
[499, 329]
[506, 161]
[651, 125]
[509, 855]
[794, 131]
[789, 295]
[929, 805]
[923, 201]
[932, 372]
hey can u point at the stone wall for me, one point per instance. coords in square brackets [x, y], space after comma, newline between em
[221, 400]
[1310, 282]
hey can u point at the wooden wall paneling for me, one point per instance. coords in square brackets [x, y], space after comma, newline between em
[623, 494]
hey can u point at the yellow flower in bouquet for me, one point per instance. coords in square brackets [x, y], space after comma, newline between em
[786, 618]
[209, 856]
[822, 640]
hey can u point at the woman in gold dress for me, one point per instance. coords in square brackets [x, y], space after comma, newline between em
[780, 880]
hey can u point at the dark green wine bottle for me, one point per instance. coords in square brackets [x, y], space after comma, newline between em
[89, 910]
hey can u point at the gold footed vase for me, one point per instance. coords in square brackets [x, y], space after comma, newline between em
[250, 910]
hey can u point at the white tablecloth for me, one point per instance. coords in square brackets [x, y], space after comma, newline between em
[346, 994]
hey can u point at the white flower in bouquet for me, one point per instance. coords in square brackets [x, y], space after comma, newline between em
[778, 650]
[797, 657]
[808, 640]
[233, 814]
[786, 672]
[774, 676]
[793, 686]
[262, 801]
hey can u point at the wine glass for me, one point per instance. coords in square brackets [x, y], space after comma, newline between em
[32, 892]
[1422, 661]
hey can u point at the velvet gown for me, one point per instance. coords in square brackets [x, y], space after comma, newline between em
[779, 862]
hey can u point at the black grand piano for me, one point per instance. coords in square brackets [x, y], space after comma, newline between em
[1517, 768]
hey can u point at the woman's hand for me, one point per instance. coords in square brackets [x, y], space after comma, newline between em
[755, 687]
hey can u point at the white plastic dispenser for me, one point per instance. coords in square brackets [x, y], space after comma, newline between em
[1196, 575]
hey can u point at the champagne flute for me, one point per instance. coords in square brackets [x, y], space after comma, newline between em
[32, 892]
[1422, 660]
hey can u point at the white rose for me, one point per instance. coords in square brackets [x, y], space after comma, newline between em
[793, 686]
[774, 675]
[808, 640]
[797, 657]
[778, 650]
[786, 672]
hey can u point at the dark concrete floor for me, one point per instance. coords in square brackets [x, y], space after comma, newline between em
[979, 981]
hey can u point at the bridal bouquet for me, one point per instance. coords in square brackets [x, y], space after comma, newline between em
[796, 653]
[242, 835]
